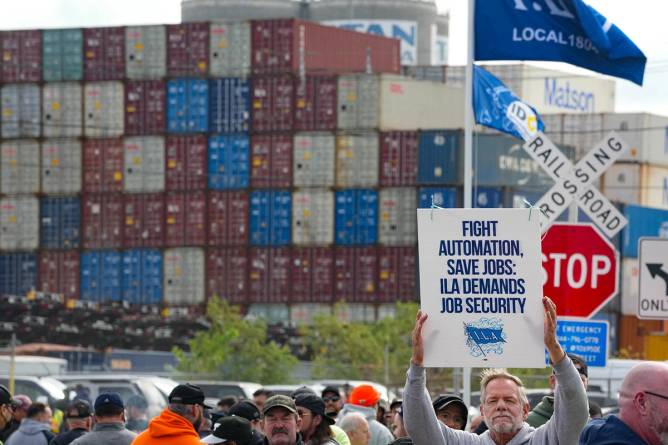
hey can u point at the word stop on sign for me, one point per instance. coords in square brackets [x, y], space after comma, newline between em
[574, 271]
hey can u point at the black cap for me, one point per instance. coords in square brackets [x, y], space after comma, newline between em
[232, 428]
[6, 397]
[577, 360]
[396, 403]
[301, 390]
[445, 400]
[108, 398]
[332, 389]
[79, 409]
[279, 400]
[246, 409]
[314, 404]
[188, 394]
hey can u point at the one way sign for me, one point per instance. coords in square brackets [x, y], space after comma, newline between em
[653, 267]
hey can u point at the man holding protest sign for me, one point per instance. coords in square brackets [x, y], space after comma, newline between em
[504, 404]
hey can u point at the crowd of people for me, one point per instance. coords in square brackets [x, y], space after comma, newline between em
[362, 417]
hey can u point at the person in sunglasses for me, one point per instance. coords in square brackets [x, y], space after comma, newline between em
[333, 401]
[643, 410]
[544, 410]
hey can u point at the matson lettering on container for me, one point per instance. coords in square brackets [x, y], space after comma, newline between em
[564, 96]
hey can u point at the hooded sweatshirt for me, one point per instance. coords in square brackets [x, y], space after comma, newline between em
[609, 431]
[570, 415]
[31, 432]
[380, 435]
[168, 428]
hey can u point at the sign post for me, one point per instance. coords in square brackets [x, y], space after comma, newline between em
[653, 267]
[580, 269]
[480, 286]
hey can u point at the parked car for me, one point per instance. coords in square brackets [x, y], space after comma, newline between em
[214, 390]
[39, 389]
[345, 386]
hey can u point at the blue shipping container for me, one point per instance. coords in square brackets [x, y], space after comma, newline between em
[60, 219]
[487, 197]
[101, 275]
[270, 218]
[142, 276]
[356, 217]
[229, 162]
[187, 106]
[439, 157]
[229, 101]
[18, 273]
[643, 221]
[62, 54]
[446, 197]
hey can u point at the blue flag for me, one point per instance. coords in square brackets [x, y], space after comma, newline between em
[495, 106]
[555, 30]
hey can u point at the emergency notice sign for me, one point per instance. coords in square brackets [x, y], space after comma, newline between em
[480, 283]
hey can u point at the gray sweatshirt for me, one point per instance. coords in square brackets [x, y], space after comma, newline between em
[571, 413]
[107, 434]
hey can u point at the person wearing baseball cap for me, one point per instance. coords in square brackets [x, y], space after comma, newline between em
[79, 421]
[7, 405]
[451, 410]
[231, 430]
[180, 421]
[249, 411]
[20, 404]
[315, 427]
[364, 399]
[281, 422]
[109, 426]
[333, 401]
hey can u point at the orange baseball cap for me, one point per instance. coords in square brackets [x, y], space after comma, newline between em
[364, 395]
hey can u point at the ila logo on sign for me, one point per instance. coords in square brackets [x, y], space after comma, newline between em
[562, 95]
[554, 7]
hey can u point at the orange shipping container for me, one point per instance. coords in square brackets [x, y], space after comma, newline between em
[632, 333]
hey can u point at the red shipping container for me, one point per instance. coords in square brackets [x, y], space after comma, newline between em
[269, 275]
[59, 272]
[271, 160]
[355, 274]
[144, 220]
[398, 158]
[21, 56]
[144, 107]
[312, 275]
[227, 274]
[188, 49]
[102, 165]
[316, 103]
[102, 222]
[227, 218]
[185, 214]
[104, 53]
[186, 158]
[273, 103]
[397, 274]
[295, 46]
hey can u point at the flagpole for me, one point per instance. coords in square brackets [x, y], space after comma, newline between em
[468, 111]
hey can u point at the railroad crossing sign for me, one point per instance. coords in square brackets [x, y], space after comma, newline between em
[575, 182]
[653, 267]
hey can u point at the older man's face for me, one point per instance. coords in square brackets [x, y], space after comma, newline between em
[502, 408]
[281, 426]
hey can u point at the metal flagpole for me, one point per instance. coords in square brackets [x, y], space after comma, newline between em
[468, 151]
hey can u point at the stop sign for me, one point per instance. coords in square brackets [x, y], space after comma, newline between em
[580, 269]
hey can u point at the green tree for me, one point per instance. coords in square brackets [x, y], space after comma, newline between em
[235, 349]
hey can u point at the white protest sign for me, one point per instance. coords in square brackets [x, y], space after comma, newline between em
[574, 182]
[481, 284]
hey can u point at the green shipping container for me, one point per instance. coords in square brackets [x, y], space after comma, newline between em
[62, 54]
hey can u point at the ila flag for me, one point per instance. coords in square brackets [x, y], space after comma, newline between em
[497, 107]
[555, 30]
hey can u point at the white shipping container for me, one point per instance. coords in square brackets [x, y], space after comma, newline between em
[184, 276]
[633, 183]
[61, 110]
[647, 134]
[19, 167]
[230, 49]
[582, 131]
[61, 166]
[630, 286]
[21, 111]
[397, 225]
[554, 128]
[19, 223]
[271, 313]
[358, 101]
[145, 52]
[409, 104]
[357, 159]
[305, 313]
[144, 164]
[313, 217]
[104, 113]
[355, 312]
[313, 159]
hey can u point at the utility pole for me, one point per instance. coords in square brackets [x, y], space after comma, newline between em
[12, 364]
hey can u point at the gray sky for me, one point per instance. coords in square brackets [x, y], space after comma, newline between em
[644, 22]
